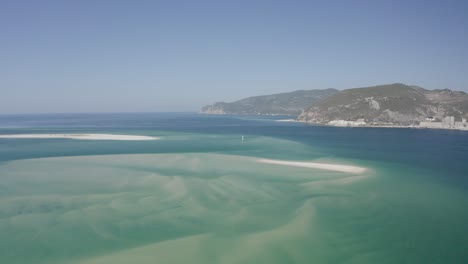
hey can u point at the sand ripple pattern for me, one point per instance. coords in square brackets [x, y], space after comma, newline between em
[168, 208]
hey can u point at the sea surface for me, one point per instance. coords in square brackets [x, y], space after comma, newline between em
[199, 194]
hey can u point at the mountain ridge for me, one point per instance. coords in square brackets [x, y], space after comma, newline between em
[396, 104]
[288, 103]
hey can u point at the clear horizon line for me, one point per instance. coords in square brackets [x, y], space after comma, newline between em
[100, 112]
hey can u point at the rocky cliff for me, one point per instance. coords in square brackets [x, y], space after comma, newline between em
[397, 104]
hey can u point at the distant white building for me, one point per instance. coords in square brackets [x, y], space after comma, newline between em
[346, 123]
[461, 125]
[448, 122]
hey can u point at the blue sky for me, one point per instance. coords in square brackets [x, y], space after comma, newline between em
[92, 56]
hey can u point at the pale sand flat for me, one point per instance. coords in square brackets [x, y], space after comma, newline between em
[80, 136]
[314, 165]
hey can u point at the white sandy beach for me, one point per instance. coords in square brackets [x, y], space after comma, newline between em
[286, 120]
[80, 136]
[314, 165]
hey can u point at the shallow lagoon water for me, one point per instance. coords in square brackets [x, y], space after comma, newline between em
[199, 196]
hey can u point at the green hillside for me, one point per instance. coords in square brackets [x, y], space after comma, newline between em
[292, 103]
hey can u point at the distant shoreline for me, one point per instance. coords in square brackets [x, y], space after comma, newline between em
[381, 126]
[294, 120]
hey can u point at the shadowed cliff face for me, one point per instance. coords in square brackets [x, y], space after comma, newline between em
[394, 103]
[292, 103]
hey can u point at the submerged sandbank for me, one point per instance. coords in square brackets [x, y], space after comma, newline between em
[315, 165]
[81, 136]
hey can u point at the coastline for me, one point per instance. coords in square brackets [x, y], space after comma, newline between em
[356, 126]
[383, 126]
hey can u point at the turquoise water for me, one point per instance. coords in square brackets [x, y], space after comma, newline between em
[199, 195]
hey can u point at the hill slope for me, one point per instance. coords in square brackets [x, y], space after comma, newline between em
[292, 103]
[388, 104]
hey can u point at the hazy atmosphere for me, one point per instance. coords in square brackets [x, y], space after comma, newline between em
[92, 56]
[228, 132]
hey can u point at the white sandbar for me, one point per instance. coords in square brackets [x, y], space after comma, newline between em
[314, 165]
[82, 136]
[286, 120]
